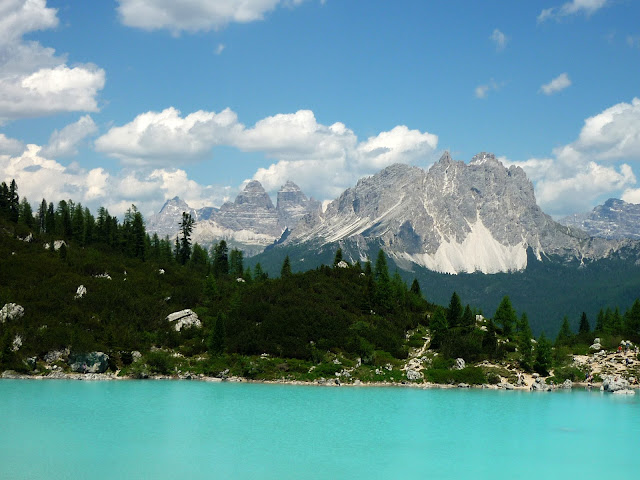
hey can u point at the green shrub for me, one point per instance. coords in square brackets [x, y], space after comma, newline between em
[567, 373]
[160, 362]
[471, 375]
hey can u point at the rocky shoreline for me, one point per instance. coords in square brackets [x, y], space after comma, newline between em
[626, 389]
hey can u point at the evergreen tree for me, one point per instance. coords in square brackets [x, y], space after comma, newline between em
[285, 271]
[89, 227]
[4, 200]
[77, 224]
[381, 270]
[617, 324]
[454, 312]
[42, 217]
[584, 327]
[415, 288]
[63, 220]
[565, 334]
[439, 328]
[138, 234]
[258, 273]
[338, 257]
[468, 318]
[490, 340]
[632, 321]
[543, 361]
[199, 258]
[367, 268]
[506, 317]
[236, 263]
[184, 243]
[50, 220]
[25, 214]
[221, 259]
[217, 340]
[14, 202]
[524, 343]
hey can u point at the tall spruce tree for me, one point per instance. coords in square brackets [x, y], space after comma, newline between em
[506, 317]
[454, 312]
[184, 241]
[584, 327]
[220, 259]
[524, 343]
[564, 335]
[285, 271]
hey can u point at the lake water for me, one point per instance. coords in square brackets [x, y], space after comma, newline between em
[194, 430]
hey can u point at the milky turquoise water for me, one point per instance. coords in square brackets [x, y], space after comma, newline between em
[191, 430]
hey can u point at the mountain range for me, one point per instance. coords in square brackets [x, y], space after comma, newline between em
[471, 228]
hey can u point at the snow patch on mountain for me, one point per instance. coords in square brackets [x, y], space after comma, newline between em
[478, 252]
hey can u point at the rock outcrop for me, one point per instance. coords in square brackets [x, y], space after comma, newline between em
[11, 311]
[615, 219]
[612, 383]
[94, 362]
[184, 319]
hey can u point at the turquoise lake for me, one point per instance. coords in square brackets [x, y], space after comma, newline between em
[194, 430]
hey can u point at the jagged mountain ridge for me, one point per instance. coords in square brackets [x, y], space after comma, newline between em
[250, 223]
[453, 218]
[615, 219]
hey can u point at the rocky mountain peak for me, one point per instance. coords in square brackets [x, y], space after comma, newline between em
[254, 194]
[289, 186]
[484, 158]
[615, 219]
[175, 203]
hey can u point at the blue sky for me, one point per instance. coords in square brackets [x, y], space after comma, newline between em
[136, 101]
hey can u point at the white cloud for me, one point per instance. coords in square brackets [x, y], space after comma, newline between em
[65, 142]
[586, 7]
[194, 15]
[500, 39]
[597, 163]
[165, 138]
[40, 177]
[559, 83]
[633, 41]
[482, 91]
[33, 80]
[219, 49]
[10, 146]
[322, 159]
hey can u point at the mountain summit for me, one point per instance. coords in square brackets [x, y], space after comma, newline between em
[249, 223]
[453, 218]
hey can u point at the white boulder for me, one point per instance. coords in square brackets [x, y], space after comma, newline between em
[16, 344]
[342, 264]
[11, 311]
[413, 375]
[613, 384]
[460, 364]
[81, 291]
[184, 319]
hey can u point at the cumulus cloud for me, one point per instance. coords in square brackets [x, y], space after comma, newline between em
[500, 39]
[10, 146]
[33, 80]
[65, 142]
[559, 83]
[166, 138]
[322, 159]
[597, 163]
[219, 49]
[194, 15]
[586, 7]
[40, 177]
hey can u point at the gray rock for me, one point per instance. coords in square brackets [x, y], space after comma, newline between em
[624, 391]
[11, 311]
[540, 385]
[460, 364]
[614, 219]
[94, 362]
[437, 219]
[184, 319]
[81, 292]
[464, 385]
[135, 356]
[595, 347]
[567, 384]
[56, 355]
[612, 383]
[414, 375]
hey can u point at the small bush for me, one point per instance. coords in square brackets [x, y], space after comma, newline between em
[471, 375]
[160, 362]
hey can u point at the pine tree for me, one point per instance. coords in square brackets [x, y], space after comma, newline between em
[285, 271]
[438, 326]
[338, 257]
[506, 317]
[42, 217]
[415, 288]
[217, 340]
[454, 312]
[220, 259]
[184, 244]
[14, 202]
[468, 318]
[543, 361]
[565, 334]
[25, 214]
[524, 343]
[600, 322]
[381, 269]
[236, 263]
[50, 221]
[584, 327]
[258, 273]
[632, 321]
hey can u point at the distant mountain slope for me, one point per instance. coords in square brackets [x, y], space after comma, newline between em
[250, 223]
[453, 218]
[615, 219]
